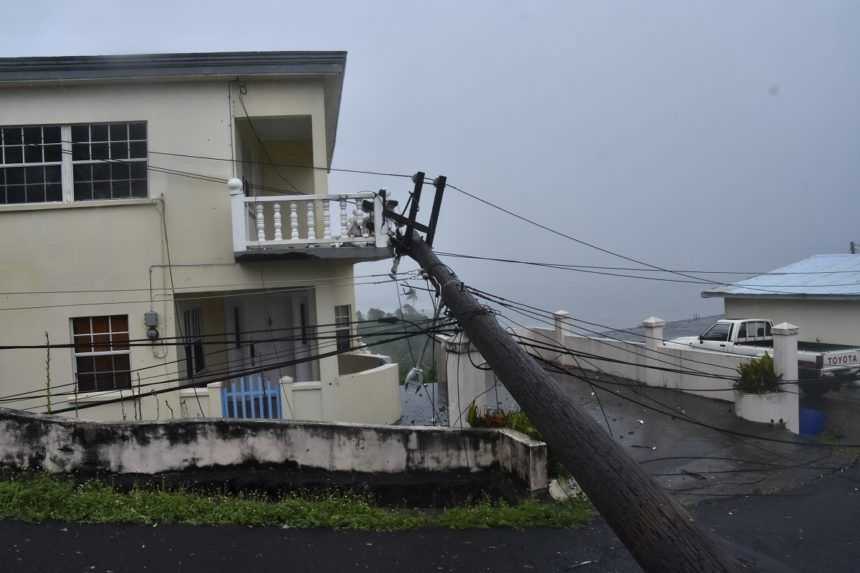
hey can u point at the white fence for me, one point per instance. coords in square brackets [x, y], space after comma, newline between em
[299, 221]
[654, 362]
[370, 396]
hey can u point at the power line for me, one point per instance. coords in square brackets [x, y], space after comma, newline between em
[587, 243]
[263, 145]
[637, 269]
[292, 165]
[292, 281]
[331, 327]
[230, 294]
[590, 269]
[696, 422]
[698, 373]
[211, 376]
[238, 374]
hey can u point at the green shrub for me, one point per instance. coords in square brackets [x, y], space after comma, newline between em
[758, 376]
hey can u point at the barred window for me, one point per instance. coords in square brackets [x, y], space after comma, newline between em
[101, 353]
[109, 160]
[30, 164]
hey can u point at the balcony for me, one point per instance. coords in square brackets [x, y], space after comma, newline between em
[308, 226]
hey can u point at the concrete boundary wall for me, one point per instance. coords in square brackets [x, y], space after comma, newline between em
[54, 444]
[638, 361]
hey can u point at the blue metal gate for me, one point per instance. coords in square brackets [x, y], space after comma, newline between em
[251, 397]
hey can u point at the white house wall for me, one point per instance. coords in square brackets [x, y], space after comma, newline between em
[818, 320]
[111, 245]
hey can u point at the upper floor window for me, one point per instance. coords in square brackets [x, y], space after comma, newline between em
[30, 164]
[109, 160]
[53, 163]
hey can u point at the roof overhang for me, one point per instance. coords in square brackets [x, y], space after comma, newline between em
[70, 70]
[787, 296]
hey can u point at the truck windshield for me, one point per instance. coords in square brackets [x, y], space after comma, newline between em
[719, 332]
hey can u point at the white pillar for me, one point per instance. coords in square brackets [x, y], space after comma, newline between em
[560, 323]
[277, 222]
[460, 384]
[559, 319]
[655, 354]
[237, 212]
[215, 405]
[286, 386]
[261, 223]
[378, 226]
[785, 365]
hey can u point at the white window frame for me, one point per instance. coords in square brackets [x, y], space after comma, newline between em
[128, 141]
[67, 163]
[24, 164]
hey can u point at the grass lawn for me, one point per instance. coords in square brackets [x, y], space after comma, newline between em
[38, 498]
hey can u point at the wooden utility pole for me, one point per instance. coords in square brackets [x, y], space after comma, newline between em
[659, 533]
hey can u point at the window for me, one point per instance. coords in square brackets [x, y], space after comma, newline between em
[101, 353]
[109, 161]
[343, 327]
[30, 164]
[742, 331]
[719, 332]
[195, 359]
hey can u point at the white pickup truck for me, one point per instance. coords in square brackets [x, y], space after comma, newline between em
[823, 366]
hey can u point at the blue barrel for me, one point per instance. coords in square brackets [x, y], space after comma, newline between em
[811, 422]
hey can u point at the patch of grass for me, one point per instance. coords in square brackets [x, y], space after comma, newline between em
[40, 497]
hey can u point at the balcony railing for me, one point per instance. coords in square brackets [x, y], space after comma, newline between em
[283, 222]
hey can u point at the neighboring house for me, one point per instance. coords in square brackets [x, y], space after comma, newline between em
[821, 295]
[117, 221]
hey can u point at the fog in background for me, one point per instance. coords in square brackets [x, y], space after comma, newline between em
[719, 135]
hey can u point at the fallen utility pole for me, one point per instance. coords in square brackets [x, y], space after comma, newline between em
[659, 533]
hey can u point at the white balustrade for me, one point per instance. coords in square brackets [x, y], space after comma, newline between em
[294, 223]
[261, 222]
[343, 207]
[326, 221]
[279, 235]
[312, 226]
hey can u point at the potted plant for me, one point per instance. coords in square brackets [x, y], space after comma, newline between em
[758, 392]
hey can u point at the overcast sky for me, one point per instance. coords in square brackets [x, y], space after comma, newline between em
[718, 135]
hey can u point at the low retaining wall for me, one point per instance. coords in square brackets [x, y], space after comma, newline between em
[636, 361]
[53, 444]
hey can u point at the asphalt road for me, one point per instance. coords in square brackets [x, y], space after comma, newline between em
[812, 528]
[109, 548]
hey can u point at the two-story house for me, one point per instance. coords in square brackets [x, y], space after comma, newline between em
[166, 226]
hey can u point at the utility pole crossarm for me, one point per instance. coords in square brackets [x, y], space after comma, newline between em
[659, 533]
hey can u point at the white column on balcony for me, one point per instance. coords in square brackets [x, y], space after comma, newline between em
[378, 227]
[237, 213]
[312, 230]
[261, 222]
[326, 220]
[294, 222]
[344, 230]
[279, 232]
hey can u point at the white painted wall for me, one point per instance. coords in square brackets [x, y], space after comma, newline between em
[56, 445]
[690, 370]
[836, 322]
[111, 245]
